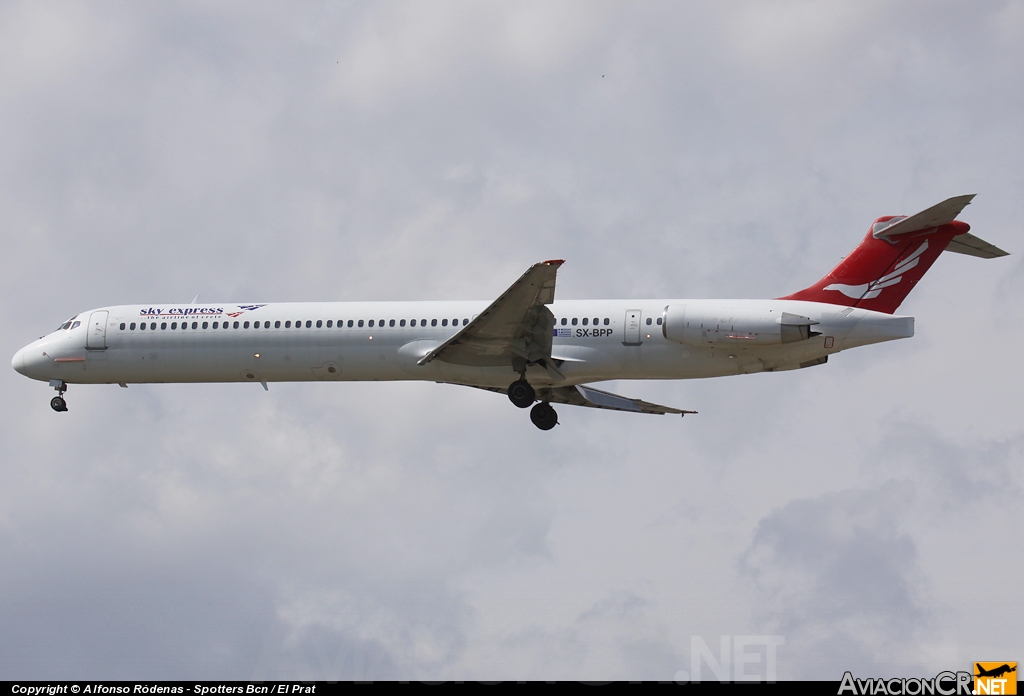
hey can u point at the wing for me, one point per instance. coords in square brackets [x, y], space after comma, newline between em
[581, 395]
[515, 327]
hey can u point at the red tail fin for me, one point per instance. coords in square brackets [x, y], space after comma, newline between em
[881, 272]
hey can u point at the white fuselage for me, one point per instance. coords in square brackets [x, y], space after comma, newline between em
[334, 341]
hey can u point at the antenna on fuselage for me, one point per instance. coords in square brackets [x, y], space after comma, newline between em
[194, 299]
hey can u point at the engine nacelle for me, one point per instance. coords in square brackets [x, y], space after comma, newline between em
[705, 324]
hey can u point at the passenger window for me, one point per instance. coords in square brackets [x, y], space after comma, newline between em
[402, 323]
[122, 326]
[163, 326]
[235, 324]
[465, 322]
[319, 323]
[585, 321]
[444, 322]
[433, 322]
[131, 327]
[287, 325]
[574, 321]
[309, 324]
[216, 325]
[659, 321]
[350, 323]
[391, 323]
[206, 324]
[380, 323]
[142, 327]
[277, 325]
[174, 325]
[370, 324]
[606, 321]
[595, 321]
[330, 323]
[564, 321]
[360, 323]
[648, 321]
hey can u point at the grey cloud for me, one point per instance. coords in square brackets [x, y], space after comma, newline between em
[67, 627]
[838, 570]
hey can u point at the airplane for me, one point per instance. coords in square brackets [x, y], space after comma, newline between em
[523, 344]
[995, 672]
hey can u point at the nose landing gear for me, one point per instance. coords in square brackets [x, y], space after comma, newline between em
[58, 403]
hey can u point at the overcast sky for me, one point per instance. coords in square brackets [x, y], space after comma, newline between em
[867, 511]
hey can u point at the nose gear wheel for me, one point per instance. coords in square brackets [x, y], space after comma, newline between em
[58, 403]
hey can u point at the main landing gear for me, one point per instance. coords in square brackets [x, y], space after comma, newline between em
[523, 395]
[543, 416]
[58, 403]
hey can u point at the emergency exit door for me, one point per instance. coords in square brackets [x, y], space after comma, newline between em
[632, 327]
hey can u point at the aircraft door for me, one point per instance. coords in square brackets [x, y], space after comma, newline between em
[96, 338]
[632, 327]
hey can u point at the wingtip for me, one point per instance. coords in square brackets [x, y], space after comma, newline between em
[554, 262]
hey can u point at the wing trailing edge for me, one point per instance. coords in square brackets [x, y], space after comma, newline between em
[582, 395]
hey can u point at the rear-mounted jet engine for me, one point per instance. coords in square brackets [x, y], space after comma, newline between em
[703, 324]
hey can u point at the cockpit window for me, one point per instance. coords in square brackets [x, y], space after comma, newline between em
[76, 325]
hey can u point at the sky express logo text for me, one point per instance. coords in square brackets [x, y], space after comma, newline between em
[195, 311]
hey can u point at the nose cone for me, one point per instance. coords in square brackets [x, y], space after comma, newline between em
[18, 363]
[31, 362]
